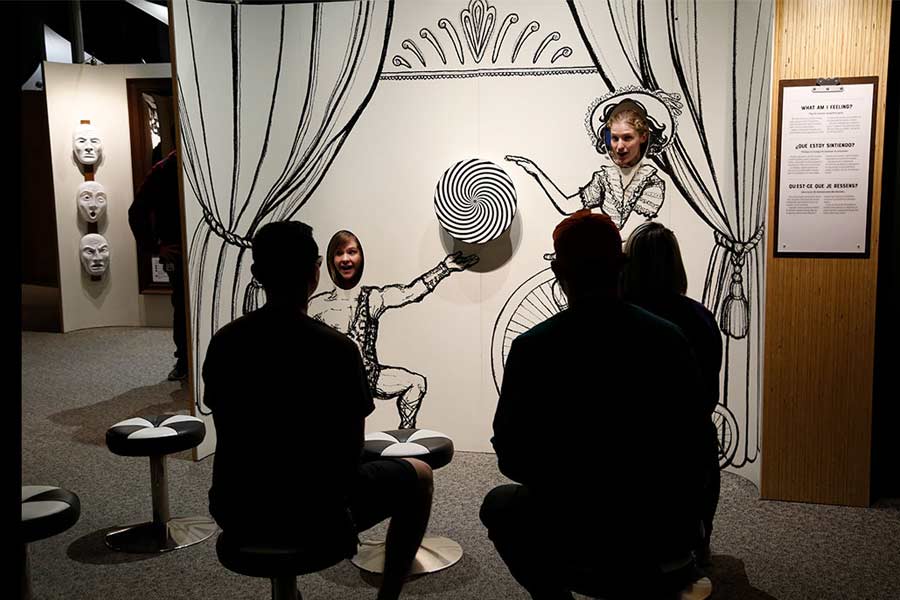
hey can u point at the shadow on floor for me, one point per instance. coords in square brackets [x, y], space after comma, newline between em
[730, 581]
[91, 422]
[92, 549]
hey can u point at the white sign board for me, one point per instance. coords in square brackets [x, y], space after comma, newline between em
[825, 167]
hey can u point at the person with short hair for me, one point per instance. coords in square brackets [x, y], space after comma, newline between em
[655, 279]
[155, 221]
[289, 398]
[596, 424]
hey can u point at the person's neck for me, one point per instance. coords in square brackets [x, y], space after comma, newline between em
[287, 303]
[592, 298]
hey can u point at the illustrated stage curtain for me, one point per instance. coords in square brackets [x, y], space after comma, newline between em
[267, 97]
[716, 56]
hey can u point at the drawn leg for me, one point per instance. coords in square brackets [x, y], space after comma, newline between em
[409, 388]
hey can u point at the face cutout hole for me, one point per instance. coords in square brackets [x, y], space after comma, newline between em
[345, 259]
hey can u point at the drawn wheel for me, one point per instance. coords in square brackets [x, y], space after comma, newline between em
[726, 434]
[536, 300]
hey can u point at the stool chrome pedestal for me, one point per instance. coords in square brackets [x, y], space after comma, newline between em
[435, 554]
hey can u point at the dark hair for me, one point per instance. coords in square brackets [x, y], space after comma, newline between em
[588, 250]
[339, 239]
[654, 268]
[284, 255]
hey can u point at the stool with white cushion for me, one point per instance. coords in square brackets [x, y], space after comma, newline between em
[436, 450]
[46, 511]
[155, 437]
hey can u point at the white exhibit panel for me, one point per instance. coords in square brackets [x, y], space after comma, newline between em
[85, 207]
[825, 169]
[451, 161]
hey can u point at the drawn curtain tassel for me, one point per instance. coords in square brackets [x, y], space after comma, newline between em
[253, 296]
[734, 318]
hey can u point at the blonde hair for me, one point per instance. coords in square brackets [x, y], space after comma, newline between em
[630, 115]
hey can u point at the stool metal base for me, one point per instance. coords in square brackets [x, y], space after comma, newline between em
[435, 554]
[154, 537]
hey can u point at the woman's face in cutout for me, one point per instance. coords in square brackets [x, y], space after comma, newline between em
[347, 261]
[625, 144]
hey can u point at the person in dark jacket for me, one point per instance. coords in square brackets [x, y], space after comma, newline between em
[596, 423]
[654, 279]
[289, 399]
[155, 220]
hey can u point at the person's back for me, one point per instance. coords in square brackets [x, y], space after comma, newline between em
[288, 416]
[604, 397]
[597, 422]
[289, 398]
[655, 279]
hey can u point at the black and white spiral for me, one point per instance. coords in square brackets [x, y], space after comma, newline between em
[475, 201]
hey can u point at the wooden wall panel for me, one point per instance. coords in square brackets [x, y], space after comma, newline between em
[820, 313]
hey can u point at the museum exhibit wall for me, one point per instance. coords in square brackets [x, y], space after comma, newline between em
[469, 95]
[820, 312]
[97, 93]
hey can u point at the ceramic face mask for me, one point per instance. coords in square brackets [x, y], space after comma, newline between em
[87, 144]
[94, 253]
[91, 201]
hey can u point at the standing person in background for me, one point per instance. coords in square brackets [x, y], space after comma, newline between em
[155, 220]
[654, 279]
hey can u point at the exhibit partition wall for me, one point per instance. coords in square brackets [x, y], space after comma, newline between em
[448, 139]
[820, 327]
[90, 151]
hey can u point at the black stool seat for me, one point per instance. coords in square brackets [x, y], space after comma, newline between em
[255, 559]
[149, 436]
[156, 437]
[47, 511]
[436, 450]
[431, 447]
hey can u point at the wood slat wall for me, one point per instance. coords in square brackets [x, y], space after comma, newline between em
[820, 313]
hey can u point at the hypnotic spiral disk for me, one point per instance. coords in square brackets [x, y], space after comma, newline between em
[475, 201]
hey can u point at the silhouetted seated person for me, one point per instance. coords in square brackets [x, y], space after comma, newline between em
[598, 414]
[289, 400]
[654, 279]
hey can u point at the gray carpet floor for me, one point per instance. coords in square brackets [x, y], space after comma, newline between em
[74, 386]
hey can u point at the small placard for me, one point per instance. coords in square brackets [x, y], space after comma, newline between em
[159, 273]
[826, 131]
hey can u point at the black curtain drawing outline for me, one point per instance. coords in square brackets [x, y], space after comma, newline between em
[733, 283]
[316, 115]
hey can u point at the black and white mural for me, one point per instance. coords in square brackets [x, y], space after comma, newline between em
[465, 129]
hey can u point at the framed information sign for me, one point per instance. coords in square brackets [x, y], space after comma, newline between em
[824, 163]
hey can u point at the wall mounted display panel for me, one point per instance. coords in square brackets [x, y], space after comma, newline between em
[516, 90]
[97, 94]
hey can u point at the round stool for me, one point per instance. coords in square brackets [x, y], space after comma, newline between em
[280, 564]
[156, 437]
[46, 511]
[434, 449]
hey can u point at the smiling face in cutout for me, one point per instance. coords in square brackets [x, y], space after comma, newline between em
[625, 144]
[345, 259]
[91, 201]
[86, 144]
[94, 254]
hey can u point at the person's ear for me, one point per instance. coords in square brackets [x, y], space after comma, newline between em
[557, 269]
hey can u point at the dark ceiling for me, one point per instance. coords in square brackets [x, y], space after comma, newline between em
[114, 31]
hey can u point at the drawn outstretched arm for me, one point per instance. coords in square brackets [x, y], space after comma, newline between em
[397, 295]
[565, 204]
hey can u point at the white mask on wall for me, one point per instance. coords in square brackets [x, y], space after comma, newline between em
[91, 201]
[94, 253]
[86, 144]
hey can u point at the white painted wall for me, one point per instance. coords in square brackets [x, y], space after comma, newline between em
[98, 93]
